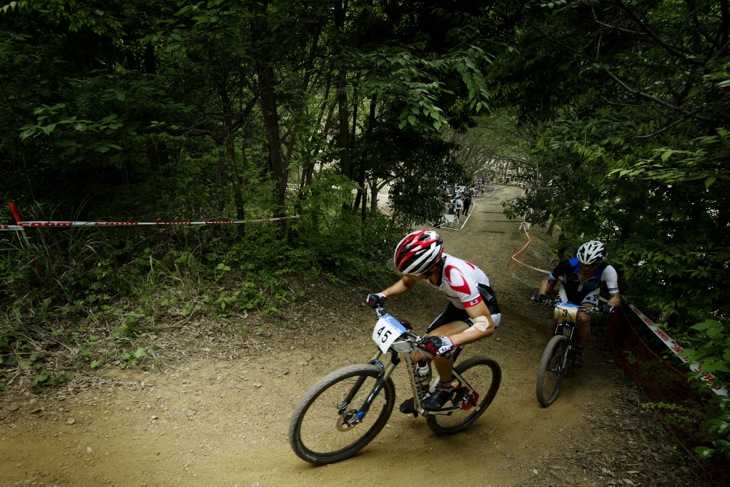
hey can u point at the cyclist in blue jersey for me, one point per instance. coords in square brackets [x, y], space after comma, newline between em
[579, 282]
[471, 314]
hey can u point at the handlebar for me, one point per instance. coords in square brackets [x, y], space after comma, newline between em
[589, 310]
[379, 311]
[413, 338]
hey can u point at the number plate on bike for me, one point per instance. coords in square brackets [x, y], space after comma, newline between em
[386, 331]
[566, 311]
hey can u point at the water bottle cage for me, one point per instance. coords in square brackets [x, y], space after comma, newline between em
[422, 381]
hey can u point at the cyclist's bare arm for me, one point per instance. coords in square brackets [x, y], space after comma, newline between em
[615, 299]
[547, 286]
[401, 286]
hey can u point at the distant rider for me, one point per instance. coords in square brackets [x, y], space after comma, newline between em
[458, 207]
[472, 312]
[579, 280]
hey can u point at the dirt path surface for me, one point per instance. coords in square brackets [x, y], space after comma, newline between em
[216, 413]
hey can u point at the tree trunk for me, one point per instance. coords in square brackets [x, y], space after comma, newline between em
[373, 197]
[267, 99]
[343, 112]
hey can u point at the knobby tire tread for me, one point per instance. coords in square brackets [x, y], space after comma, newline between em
[330, 380]
[556, 344]
[485, 397]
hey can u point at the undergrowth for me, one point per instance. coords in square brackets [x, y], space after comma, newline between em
[78, 299]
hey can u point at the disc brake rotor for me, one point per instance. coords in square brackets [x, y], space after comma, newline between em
[344, 421]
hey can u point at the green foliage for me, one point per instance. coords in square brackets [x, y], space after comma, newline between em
[154, 111]
[157, 111]
[13, 6]
[650, 183]
[708, 424]
[133, 357]
[40, 376]
[405, 78]
[711, 349]
[685, 417]
[417, 166]
[121, 286]
[717, 430]
[130, 327]
[625, 157]
[332, 238]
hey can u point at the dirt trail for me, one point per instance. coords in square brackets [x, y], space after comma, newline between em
[218, 415]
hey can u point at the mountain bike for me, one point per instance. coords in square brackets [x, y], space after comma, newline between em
[345, 410]
[557, 357]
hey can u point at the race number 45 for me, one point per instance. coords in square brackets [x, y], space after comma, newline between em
[386, 331]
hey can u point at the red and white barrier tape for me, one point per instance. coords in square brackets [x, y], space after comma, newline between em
[22, 225]
[710, 379]
[524, 227]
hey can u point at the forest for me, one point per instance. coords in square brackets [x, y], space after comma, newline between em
[614, 115]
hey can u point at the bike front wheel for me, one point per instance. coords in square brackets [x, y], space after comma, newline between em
[328, 426]
[483, 376]
[553, 367]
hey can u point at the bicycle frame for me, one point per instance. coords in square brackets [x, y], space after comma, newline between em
[405, 346]
[407, 354]
[567, 328]
[567, 316]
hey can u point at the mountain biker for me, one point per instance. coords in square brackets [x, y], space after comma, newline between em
[580, 281]
[472, 312]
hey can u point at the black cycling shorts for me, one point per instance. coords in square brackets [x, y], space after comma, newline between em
[452, 313]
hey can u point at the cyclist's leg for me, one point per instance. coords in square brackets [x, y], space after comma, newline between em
[449, 323]
[452, 320]
[451, 316]
[562, 298]
[584, 319]
[445, 365]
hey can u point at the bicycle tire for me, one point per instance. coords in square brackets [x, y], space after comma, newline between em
[485, 376]
[552, 370]
[317, 430]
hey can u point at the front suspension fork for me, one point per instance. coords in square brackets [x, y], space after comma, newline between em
[386, 371]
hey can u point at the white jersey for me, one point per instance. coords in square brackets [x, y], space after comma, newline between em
[460, 280]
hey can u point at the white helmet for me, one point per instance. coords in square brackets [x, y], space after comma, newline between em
[418, 251]
[592, 252]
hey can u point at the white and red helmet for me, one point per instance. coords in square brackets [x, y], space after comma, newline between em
[417, 252]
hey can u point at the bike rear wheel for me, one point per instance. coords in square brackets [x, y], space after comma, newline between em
[552, 370]
[321, 430]
[484, 376]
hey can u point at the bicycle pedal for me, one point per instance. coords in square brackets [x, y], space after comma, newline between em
[469, 400]
[407, 407]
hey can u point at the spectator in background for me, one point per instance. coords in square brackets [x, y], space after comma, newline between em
[467, 202]
[458, 208]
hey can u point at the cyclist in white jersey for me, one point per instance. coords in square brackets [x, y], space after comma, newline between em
[472, 312]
